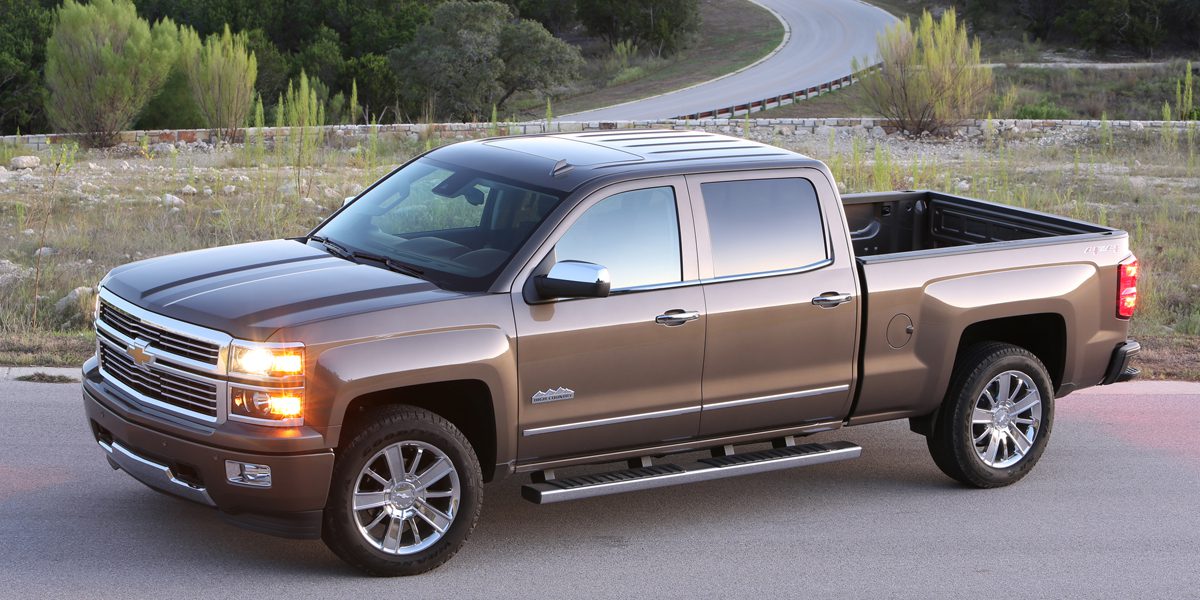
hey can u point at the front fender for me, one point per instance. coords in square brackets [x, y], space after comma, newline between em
[485, 354]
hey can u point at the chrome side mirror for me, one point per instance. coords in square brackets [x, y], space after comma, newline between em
[573, 279]
[348, 200]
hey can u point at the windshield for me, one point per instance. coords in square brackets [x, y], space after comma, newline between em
[454, 226]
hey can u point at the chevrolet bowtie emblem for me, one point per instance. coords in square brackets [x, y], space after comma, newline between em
[137, 352]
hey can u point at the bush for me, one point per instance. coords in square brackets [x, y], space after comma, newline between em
[274, 69]
[173, 107]
[103, 64]
[378, 86]
[221, 73]
[24, 26]
[929, 78]
[1044, 109]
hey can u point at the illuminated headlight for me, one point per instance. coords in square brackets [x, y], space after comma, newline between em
[266, 360]
[279, 407]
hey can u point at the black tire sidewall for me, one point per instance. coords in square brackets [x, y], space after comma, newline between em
[1004, 358]
[340, 529]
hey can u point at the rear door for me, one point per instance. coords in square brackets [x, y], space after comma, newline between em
[780, 289]
[603, 373]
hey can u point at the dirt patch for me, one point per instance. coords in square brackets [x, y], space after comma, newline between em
[40, 377]
[1169, 357]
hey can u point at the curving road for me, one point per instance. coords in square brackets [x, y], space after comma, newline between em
[1109, 512]
[824, 36]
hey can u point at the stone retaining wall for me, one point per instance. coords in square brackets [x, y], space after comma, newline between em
[759, 128]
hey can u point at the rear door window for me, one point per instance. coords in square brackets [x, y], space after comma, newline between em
[763, 225]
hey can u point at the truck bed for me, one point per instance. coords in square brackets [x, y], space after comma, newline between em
[890, 223]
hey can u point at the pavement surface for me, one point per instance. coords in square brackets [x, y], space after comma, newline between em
[1110, 512]
[823, 37]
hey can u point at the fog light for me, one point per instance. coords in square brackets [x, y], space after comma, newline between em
[248, 474]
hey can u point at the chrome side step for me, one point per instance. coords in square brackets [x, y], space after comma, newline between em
[718, 467]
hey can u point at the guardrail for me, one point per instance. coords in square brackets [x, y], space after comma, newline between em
[777, 101]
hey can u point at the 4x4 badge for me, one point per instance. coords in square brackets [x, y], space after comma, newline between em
[553, 395]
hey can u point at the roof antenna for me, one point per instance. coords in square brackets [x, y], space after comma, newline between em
[561, 167]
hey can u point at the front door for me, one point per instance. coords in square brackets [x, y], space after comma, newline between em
[605, 373]
[780, 291]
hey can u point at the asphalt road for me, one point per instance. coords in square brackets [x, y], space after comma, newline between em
[1111, 511]
[825, 36]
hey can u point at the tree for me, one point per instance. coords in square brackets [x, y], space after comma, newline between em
[274, 69]
[662, 25]
[221, 74]
[472, 55]
[103, 64]
[534, 59]
[929, 78]
[322, 57]
[24, 26]
[378, 86]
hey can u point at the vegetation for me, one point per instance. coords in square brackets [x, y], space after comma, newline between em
[221, 74]
[1146, 26]
[930, 77]
[103, 64]
[24, 27]
[664, 26]
[472, 55]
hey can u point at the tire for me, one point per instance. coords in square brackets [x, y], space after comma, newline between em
[995, 447]
[378, 538]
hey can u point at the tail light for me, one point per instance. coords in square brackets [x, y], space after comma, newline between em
[1127, 297]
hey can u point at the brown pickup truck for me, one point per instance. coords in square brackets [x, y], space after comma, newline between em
[526, 304]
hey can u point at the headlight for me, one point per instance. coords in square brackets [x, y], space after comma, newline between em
[266, 406]
[267, 386]
[266, 360]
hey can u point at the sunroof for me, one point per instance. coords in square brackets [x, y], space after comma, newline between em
[558, 148]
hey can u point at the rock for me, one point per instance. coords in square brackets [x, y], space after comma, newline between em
[24, 162]
[287, 189]
[330, 192]
[878, 132]
[229, 190]
[962, 185]
[29, 232]
[172, 200]
[125, 165]
[44, 251]
[11, 272]
[163, 148]
[1136, 126]
[86, 188]
[93, 166]
[188, 191]
[208, 191]
[75, 302]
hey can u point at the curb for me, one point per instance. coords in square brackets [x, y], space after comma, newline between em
[787, 37]
[11, 373]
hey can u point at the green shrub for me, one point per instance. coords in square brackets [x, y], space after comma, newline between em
[930, 76]
[24, 26]
[221, 73]
[1044, 109]
[662, 26]
[173, 107]
[103, 65]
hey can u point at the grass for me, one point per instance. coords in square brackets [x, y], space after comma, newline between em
[733, 34]
[108, 210]
[40, 377]
[1121, 94]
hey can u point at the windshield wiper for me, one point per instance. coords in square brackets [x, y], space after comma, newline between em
[390, 263]
[334, 248]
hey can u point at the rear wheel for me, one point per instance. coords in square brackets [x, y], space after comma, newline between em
[405, 496]
[996, 418]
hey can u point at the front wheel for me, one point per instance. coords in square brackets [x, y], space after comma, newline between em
[995, 420]
[406, 494]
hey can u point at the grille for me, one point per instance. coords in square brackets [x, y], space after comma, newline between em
[159, 338]
[181, 392]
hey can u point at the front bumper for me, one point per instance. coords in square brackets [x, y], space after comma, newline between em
[194, 469]
[1118, 366]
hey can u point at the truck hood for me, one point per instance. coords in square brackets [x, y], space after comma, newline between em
[252, 290]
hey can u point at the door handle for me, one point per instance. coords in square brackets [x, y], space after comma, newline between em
[676, 317]
[831, 299]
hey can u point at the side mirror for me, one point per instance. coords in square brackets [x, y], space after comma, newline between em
[348, 200]
[573, 279]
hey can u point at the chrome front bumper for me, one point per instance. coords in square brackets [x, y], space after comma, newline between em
[153, 474]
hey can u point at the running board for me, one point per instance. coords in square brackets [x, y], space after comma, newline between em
[655, 476]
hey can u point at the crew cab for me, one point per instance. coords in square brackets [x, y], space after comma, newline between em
[603, 300]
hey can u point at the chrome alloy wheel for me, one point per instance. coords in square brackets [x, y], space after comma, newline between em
[406, 497]
[1006, 419]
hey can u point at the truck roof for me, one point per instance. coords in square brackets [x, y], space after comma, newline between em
[564, 161]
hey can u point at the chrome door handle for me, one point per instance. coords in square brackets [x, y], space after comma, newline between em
[675, 318]
[830, 299]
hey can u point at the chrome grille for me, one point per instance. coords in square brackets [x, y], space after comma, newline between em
[154, 382]
[159, 338]
[182, 366]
